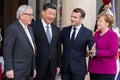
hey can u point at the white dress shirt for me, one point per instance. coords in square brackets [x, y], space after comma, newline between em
[28, 35]
[77, 30]
[44, 25]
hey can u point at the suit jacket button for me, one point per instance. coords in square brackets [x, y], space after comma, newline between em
[49, 57]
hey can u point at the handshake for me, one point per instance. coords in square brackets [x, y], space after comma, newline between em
[92, 52]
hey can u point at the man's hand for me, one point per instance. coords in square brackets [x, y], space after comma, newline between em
[10, 74]
[34, 74]
[92, 52]
[57, 71]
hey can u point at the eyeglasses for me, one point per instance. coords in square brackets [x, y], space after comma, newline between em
[28, 14]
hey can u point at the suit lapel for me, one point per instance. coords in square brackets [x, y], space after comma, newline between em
[53, 33]
[42, 31]
[31, 33]
[79, 34]
[23, 33]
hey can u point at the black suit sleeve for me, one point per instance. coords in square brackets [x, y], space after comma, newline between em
[9, 42]
[59, 51]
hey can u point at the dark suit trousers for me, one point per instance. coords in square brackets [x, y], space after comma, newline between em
[46, 76]
[69, 75]
[102, 76]
[22, 78]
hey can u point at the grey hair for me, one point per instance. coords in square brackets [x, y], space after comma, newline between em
[22, 9]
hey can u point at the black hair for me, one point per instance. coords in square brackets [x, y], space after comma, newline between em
[49, 5]
[79, 10]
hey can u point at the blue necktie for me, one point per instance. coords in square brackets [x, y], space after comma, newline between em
[73, 36]
[48, 34]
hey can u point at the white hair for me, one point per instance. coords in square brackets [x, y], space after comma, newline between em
[22, 9]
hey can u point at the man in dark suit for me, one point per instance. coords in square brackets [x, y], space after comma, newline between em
[19, 47]
[75, 39]
[47, 38]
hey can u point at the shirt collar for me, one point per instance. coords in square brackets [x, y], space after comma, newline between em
[22, 24]
[44, 24]
[77, 27]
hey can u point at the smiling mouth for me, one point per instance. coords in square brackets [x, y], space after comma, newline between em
[50, 19]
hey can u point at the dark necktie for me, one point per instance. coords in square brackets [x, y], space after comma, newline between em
[48, 34]
[73, 36]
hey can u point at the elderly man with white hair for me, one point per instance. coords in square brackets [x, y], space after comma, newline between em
[19, 47]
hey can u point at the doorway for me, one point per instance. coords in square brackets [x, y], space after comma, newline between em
[7, 16]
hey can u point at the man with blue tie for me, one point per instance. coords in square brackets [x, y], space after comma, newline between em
[75, 39]
[47, 38]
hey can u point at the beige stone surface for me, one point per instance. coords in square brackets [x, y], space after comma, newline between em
[59, 77]
[87, 77]
[87, 5]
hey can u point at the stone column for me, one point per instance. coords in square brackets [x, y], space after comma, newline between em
[32, 3]
[89, 6]
[117, 11]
